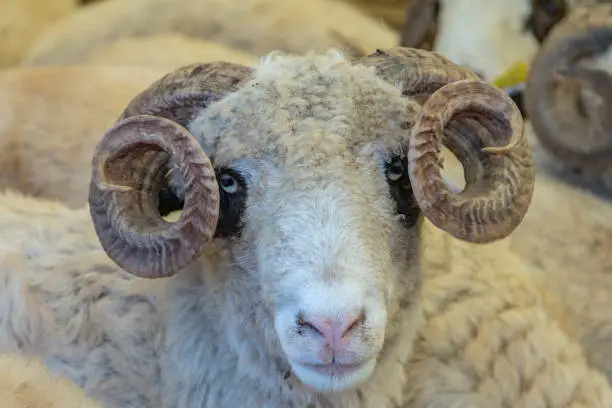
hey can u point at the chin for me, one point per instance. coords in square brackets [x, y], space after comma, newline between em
[334, 379]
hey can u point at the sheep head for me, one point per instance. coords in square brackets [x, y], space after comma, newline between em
[567, 96]
[311, 176]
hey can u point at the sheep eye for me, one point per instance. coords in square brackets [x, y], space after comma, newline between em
[233, 196]
[395, 170]
[229, 183]
[401, 191]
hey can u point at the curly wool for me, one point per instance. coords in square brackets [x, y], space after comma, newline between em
[488, 336]
[28, 383]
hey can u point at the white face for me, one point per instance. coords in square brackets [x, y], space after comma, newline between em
[488, 36]
[327, 247]
[330, 259]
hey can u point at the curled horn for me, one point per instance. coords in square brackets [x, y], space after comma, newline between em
[552, 91]
[482, 126]
[419, 22]
[130, 167]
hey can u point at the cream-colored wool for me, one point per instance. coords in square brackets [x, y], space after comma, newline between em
[22, 21]
[489, 336]
[566, 238]
[28, 383]
[168, 51]
[253, 26]
[52, 117]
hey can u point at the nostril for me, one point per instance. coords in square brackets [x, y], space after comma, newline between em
[304, 326]
[358, 321]
[332, 329]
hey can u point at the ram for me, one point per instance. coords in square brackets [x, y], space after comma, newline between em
[253, 26]
[318, 259]
[28, 383]
[48, 147]
[22, 21]
[567, 94]
[178, 50]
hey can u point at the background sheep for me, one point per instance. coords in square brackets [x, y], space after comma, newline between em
[567, 93]
[28, 383]
[178, 50]
[254, 26]
[51, 119]
[266, 195]
[22, 21]
[487, 35]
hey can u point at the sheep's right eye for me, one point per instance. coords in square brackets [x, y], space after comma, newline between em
[228, 183]
[401, 190]
[233, 196]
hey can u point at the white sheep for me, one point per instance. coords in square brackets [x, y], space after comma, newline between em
[489, 36]
[567, 94]
[22, 21]
[253, 26]
[51, 119]
[178, 50]
[294, 274]
[28, 383]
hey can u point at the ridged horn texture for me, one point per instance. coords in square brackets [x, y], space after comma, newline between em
[552, 90]
[130, 167]
[482, 126]
[420, 23]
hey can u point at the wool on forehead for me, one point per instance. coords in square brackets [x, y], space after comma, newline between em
[303, 110]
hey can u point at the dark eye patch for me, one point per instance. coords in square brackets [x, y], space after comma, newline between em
[231, 206]
[396, 171]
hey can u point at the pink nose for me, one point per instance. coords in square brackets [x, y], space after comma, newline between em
[333, 331]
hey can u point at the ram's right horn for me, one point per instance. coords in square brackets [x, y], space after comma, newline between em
[131, 164]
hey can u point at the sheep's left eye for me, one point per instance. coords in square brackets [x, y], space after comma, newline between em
[401, 191]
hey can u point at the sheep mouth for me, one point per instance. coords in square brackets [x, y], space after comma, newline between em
[334, 377]
[334, 369]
